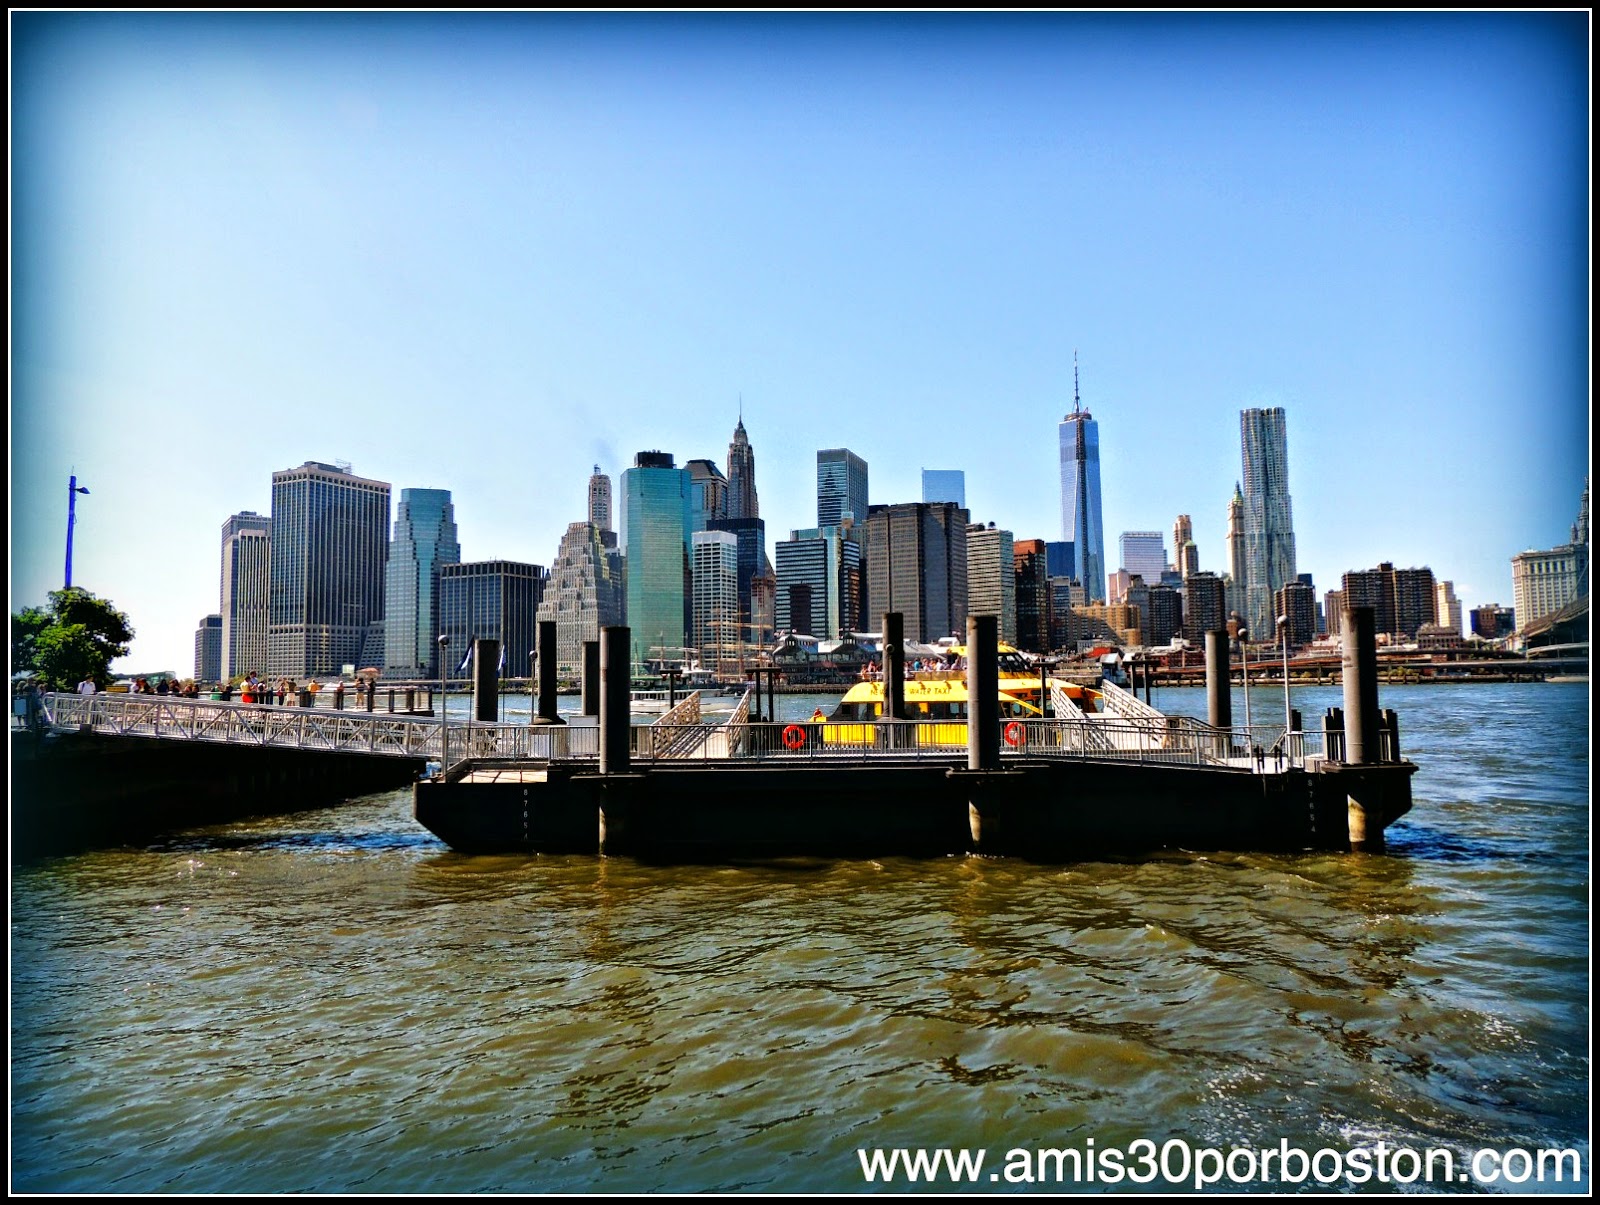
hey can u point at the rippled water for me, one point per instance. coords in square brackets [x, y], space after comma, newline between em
[333, 1001]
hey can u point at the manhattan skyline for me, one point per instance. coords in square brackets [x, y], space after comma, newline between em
[483, 253]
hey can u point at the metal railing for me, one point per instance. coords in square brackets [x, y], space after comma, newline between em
[1072, 734]
[247, 724]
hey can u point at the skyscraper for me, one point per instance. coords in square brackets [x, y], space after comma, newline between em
[709, 494]
[992, 576]
[819, 581]
[944, 485]
[1033, 595]
[1144, 554]
[656, 512]
[916, 557]
[715, 612]
[424, 539]
[585, 591]
[330, 544]
[491, 600]
[841, 487]
[1080, 494]
[208, 650]
[1235, 582]
[246, 571]
[600, 500]
[1268, 517]
[742, 501]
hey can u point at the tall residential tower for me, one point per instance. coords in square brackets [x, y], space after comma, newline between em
[1268, 518]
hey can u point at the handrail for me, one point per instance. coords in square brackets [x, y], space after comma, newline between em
[1072, 734]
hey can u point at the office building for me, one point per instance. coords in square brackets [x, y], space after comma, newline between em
[424, 539]
[916, 559]
[1144, 554]
[992, 577]
[1268, 515]
[742, 501]
[1060, 558]
[600, 500]
[491, 600]
[715, 627]
[208, 650]
[818, 582]
[1030, 560]
[1447, 607]
[584, 593]
[944, 485]
[1066, 596]
[656, 513]
[330, 546]
[708, 493]
[1493, 622]
[1080, 494]
[246, 572]
[1234, 578]
[841, 487]
[1542, 583]
[751, 535]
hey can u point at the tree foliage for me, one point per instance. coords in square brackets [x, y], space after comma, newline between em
[77, 636]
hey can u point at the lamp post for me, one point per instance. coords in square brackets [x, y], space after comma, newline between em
[444, 687]
[73, 490]
[1244, 650]
[1283, 629]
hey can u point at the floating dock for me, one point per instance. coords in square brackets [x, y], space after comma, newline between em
[1063, 787]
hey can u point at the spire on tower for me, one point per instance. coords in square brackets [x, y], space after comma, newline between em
[1076, 405]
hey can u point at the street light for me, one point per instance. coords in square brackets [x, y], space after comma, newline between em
[73, 490]
[444, 687]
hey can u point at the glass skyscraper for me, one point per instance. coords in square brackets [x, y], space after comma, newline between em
[491, 600]
[1080, 496]
[1268, 518]
[246, 570]
[424, 539]
[657, 499]
[944, 485]
[330, 544]
[841, 487]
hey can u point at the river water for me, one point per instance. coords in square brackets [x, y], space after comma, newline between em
[333, 1001]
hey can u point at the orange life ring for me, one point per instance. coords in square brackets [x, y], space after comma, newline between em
[1014, 734]
[794, 736]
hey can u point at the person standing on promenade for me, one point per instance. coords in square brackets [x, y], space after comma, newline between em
[86, 687]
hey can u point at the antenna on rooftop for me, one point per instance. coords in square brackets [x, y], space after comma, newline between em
[1076, 406]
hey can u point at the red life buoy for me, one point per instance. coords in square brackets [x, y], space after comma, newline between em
[794, 736]
[1014, 734]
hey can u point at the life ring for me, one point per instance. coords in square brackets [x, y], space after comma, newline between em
[794, 736]
[1014, 734]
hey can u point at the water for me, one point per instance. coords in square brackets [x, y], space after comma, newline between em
[333, 1001]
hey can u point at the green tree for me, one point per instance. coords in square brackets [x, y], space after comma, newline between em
[78, 636]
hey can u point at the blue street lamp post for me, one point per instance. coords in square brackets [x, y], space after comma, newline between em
[73, 490]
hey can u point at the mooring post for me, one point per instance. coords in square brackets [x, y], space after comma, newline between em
[894, 666]
[486, 679]
[983, 692]
[1219, 688]
[616, 736]
[547, 673]
[1359, 664]
[591, 677]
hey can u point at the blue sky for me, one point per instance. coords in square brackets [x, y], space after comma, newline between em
[484, 252]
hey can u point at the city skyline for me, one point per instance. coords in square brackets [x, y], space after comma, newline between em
[395, 240]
